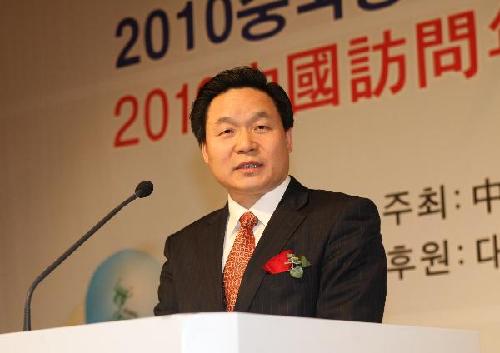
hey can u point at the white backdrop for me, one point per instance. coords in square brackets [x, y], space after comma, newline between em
[64, 101]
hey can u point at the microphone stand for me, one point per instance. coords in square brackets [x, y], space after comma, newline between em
[53, 266]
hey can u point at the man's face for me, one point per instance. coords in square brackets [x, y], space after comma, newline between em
[246, 145]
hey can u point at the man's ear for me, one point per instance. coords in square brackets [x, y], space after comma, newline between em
[204, 151]
[289, 140]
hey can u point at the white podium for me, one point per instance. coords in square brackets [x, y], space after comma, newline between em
[240, 332]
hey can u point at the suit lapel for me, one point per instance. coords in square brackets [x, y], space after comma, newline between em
[280, 228]
[212, 244]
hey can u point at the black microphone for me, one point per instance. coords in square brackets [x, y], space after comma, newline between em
[143, 189]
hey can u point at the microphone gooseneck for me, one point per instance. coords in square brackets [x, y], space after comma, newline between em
[143, 189]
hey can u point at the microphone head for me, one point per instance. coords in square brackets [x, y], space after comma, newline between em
[144, 188]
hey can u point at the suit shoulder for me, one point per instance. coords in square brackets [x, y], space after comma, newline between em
[195, 227]
[340, 201]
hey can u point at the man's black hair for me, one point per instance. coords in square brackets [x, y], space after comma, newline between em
[237, 77]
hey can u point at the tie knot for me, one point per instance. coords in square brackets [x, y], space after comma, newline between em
[248, 220]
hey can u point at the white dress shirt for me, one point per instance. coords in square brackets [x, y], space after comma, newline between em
[263, 209]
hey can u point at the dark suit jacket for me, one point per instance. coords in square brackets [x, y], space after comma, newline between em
[339, 234]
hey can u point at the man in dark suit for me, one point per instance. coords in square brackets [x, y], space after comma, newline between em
[277, 247]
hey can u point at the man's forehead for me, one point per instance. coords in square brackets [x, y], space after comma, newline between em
[233, 120]
[241, 93]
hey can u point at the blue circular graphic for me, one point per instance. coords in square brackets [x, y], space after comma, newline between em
[123, 287]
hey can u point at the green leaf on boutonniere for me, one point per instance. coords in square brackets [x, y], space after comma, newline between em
[297, 264]
[305, 262]
[296, 272]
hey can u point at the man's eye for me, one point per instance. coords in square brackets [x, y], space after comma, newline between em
[262, 128]
[225, 132]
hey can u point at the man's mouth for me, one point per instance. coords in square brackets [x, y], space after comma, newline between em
[248, 166]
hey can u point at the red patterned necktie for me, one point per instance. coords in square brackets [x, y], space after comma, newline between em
[238, 258]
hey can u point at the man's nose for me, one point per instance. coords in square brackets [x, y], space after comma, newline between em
[245, 142]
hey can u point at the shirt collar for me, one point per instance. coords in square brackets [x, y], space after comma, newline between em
[263, 209]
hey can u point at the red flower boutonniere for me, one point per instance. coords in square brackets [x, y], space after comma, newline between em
[287, 261]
